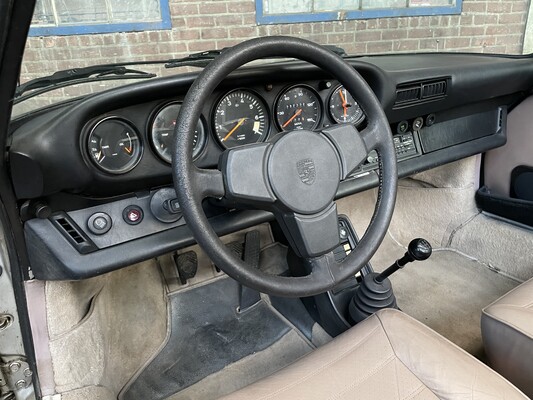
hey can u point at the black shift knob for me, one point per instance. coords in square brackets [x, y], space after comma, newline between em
[419, 249]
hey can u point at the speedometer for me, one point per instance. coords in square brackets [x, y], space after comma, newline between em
[240, 118]
[298, 108]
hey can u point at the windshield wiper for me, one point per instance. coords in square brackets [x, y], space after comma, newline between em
[201, 59]
[81, 75]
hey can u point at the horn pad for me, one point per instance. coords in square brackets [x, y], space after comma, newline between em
[304, 171]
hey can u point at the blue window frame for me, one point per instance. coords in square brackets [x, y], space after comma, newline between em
[74, 17]
[280, 12]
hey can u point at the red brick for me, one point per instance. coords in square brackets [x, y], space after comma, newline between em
[241, 32]
[472, 30]
[379, 47]
[200, 22]
[241, 7]
[214, 33]
[510, 18]
[367, 36]
[228, 20]
[474, 6]
[201, 46]
[183, 9]
[394, 34]
[499, 7]
[213, 7]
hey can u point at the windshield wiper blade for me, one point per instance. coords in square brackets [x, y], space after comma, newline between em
[201, 59]
[79, 74]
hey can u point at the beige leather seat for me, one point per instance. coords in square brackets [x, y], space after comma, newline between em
[507, 328]
[387, 356]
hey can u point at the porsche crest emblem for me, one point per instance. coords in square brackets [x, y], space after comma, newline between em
[306, 170]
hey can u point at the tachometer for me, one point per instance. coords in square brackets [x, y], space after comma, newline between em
[162, 133]
[114, 146]
[343, 108]
[298, 108]
[240, 118]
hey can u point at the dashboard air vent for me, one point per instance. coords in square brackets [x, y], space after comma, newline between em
[434, 89]
[73, 233]
[419, 92]
[407, 95]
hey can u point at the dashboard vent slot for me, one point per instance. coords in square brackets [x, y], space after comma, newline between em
[434, 89]
[408, 95]
[73, 233]
[419, 92]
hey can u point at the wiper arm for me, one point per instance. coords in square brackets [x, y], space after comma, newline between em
[201, 59]
[79, 74]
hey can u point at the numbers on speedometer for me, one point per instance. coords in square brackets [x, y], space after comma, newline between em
[298, 108]
[240, 118]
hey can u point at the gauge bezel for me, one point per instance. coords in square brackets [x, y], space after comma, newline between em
[288, 88]
[202, 137]
[356, 122]
[268, 124]
[124, 121]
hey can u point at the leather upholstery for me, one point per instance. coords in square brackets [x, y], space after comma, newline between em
[387, 356]
[507, 330]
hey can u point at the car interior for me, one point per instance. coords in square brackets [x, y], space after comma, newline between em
[286, 222]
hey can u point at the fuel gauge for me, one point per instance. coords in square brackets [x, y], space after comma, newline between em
[114, 146]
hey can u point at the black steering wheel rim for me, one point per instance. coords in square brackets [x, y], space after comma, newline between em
[193, 184]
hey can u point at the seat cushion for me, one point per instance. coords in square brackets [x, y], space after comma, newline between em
[387, 356]
[507, 331]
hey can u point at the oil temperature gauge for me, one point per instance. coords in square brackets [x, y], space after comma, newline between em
[114, 146]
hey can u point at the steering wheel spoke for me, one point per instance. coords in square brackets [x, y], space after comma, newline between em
[245, 171]
[208, 182]
[311, 235]
[351, 145]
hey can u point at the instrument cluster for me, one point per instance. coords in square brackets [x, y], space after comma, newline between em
[238, 117]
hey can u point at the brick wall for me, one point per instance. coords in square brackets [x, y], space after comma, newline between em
[483, 26]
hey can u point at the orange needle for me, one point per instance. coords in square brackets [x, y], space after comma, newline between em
[344, 102]
[241, 121]
[128, 150]
[298, 112]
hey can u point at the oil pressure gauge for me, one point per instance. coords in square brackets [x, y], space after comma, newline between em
[114, 146]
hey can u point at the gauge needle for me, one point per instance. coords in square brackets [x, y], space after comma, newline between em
[128, 150]
[298, 112]
[344, 103]
[241, 121]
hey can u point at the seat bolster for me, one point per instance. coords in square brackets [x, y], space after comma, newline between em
[444, 368]
[507, 331]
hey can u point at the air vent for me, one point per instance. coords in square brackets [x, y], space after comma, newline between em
[73, 233]
[415, 93]
[407, 95]
[434, 89]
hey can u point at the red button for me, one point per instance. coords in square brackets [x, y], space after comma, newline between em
[133, 215]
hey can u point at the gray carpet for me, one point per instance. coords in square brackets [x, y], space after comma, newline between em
[208, 336]
[446, 292]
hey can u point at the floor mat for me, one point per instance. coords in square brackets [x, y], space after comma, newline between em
[207, 336]
[446, 292]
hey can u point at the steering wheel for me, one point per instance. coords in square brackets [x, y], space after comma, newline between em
[295, 176]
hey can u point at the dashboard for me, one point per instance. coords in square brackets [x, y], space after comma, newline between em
[93, 175]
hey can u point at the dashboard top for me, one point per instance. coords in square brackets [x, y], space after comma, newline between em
[42, 143]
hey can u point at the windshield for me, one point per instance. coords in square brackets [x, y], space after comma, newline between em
[69, 34]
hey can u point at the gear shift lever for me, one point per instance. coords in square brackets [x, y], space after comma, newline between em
[375, 291]
[418, 250]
